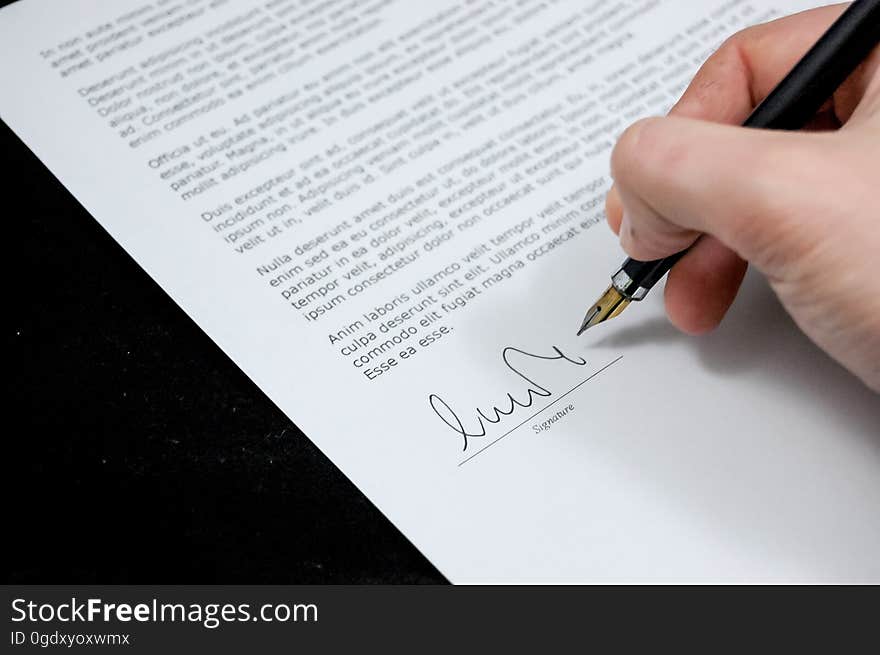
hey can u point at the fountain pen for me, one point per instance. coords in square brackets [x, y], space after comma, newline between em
[789, 106]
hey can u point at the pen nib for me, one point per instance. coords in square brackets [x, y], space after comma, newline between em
[608, 306]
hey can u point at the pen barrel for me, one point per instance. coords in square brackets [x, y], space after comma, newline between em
[635, 278]
[818, 74]
[791, 104]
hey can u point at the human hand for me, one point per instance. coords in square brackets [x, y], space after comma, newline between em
[802, 207]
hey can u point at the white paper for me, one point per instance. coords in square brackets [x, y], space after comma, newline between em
[472, 140]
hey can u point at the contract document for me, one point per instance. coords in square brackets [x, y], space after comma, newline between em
[389, 213]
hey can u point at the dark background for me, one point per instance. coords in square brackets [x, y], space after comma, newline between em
[136, 451]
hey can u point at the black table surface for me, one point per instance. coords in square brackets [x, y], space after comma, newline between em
[136, 451]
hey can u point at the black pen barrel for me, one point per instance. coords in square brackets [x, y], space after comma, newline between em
[813, 80]
[796, 99]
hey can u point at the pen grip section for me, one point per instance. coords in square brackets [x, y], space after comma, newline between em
[645, 274]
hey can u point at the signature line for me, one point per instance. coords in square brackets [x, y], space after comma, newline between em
[548, 405]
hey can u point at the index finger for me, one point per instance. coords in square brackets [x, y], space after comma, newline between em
[746, 68]
[742, 72]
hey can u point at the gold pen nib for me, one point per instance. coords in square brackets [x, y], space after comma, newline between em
[608, 306]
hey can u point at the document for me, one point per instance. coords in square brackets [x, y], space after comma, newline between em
[389, 213]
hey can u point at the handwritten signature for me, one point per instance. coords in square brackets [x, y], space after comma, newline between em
[496, 414]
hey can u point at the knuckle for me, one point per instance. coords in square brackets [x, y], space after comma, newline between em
[729, 53]
[726, 63]
[731, 45]
[738, 42]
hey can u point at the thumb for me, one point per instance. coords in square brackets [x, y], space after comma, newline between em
[679, 177]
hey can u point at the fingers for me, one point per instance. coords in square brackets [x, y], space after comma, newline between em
[702, 285]
[678, 177]
[746, 68]
[644, 233]
[749, 64]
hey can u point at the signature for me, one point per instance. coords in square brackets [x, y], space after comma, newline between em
[508, 406]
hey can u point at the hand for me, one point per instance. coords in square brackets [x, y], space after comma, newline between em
[803, 207]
